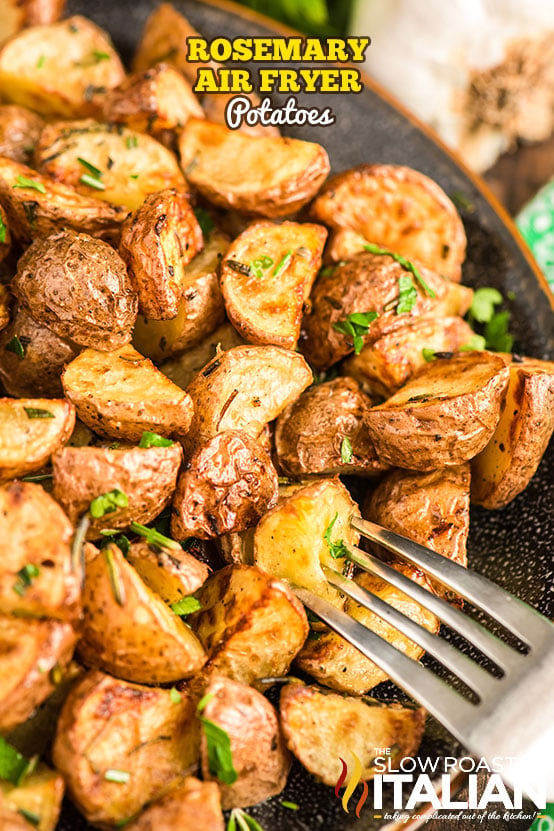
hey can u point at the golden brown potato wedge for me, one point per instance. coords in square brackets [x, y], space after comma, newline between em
[192, 798]
[228, 484]
[157, 241]
[385, 365]
[129, 631]
[121, 394]
[371, 283]
[45, 206]
[509, 461]
[32, 358]
[123, 167]
[171, 574]
[333, 661]
[324, 432]
[266, 278]
[31, 429]
[29, 651]
[321, 728]
[251, 624]
[60, 70]
[5, 305]
[199, 311]
[78, 286]
[109, 726]
[237, 547]
[397, 208]
[39, 795]
[38, 576]
[186, 366]
[147, 476]
[19, 131]
[445, 414]
[265, 175]
[224, 397]
[260, 757]
[306, 532]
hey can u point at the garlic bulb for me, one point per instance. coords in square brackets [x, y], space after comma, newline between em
[481, 72]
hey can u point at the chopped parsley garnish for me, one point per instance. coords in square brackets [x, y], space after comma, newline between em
[130, 142]
[282, 264]
[36, 412]
[3, 229]
[292, 806]
[204, 701]
[175, 695]
[241, 821]
[462, 202]
[346, 450]
[476, 342]
[40, 62]
[407, 295]
[14, 767]
[186, 606]
[153, 537]
[118, 588]
[497, 335]
[92, 182]
[496, 330]
[119, 776]
[220, 758]
[259, 265]
[24, 182]
[133, 175]
[204, 220]
[483, 304]
[428, 354]
[90, 167]
[30, 816]
[14, 345]
[100, 56]
[25, 577]
[356, 325]
[406, 264]
[112, 535]
[107, 503]
[338, 548]
[149, 439]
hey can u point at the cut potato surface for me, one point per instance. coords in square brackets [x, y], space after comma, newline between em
[183, 369]
[172, 574]
[39, 795]
[444, 415]
[266, 278]
[264, 175]
[192, 798]
[121, 394]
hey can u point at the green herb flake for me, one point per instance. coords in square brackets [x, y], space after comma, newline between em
[483, 304]
[239, 820]
[356, 325]
[428, 354]
[292, 806]
[92, 182]
[14, 767]
[115, 775]
[476, 342]
[153, 537]
[3, 229]
[175, 695]
[24, 182]
[186, 606]
[282, 264]
[220, 758]
[204, 701]
[259, 265]
[338, 548]
[30, 816]
[25, 577]
[116, 538]
[100, 56]
[133, 175]
[115, 578]
[36, 412]
[204, 220]
[40, 62]
[462, 202]
[407, 295]
[14, 345]
[90, 167]
[131, 142]
[346, 450]
[107, 503]
[406, 265]
[149, 439]
[497, 336]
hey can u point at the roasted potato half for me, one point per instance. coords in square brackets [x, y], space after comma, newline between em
[225, 398]
[265, 175]
[384, 366]
[38, 577]
[321, 728]
[266, 278]
[445, 414]
[121, 394]
[5, 304]
[147, 476]
[228, 484]
[129, 631]
[60, 70]
[120, 745]
[372, 283]
[5, 239]
[31, 429]
[79, 288]
[32, 358]
[37, 206]
[260, 757]
[509, 461]
[398, 208]
[306, 532]
[333, 661]
[184, 368]
[122, 167]
[324, 432]
[29, 651]
[38, 797]
[157, 241]
[192, 798]
[251, 624]
[173, 574]
[19, 132]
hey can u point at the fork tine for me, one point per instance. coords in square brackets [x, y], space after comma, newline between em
[512, 613]
[476, 678]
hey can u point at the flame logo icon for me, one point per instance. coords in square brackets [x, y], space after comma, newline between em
[353, 781]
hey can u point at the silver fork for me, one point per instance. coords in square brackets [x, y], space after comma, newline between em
[513, 716]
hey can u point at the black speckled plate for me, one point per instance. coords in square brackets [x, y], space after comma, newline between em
[514, 546]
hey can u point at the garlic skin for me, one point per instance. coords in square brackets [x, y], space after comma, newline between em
[480, 72]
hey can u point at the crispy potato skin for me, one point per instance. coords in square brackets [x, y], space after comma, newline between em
[19, 131]
[157, 241]
[369, 282]
[260, 756]
[147, 476]
[108, 724]
[192, 798]
[33, 214]
[228, 485]
[41, 792]
[385, 365]
[251, 624]
[38, 372]
[264, 175]
[121, 394]
[444, 415]
[171, 574]
[398, 208]
[269, 309]
[185, 367]
[129, 631]
[321, 728]
[310, 432]
[57, 88]
[26, 510]
[42, 12]
[507, 464]
[5, 304]
[29, 650]
[78, 286]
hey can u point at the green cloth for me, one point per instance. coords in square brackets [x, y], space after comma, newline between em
[536, 223]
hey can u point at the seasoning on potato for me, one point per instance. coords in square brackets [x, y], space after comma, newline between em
[171, 574]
